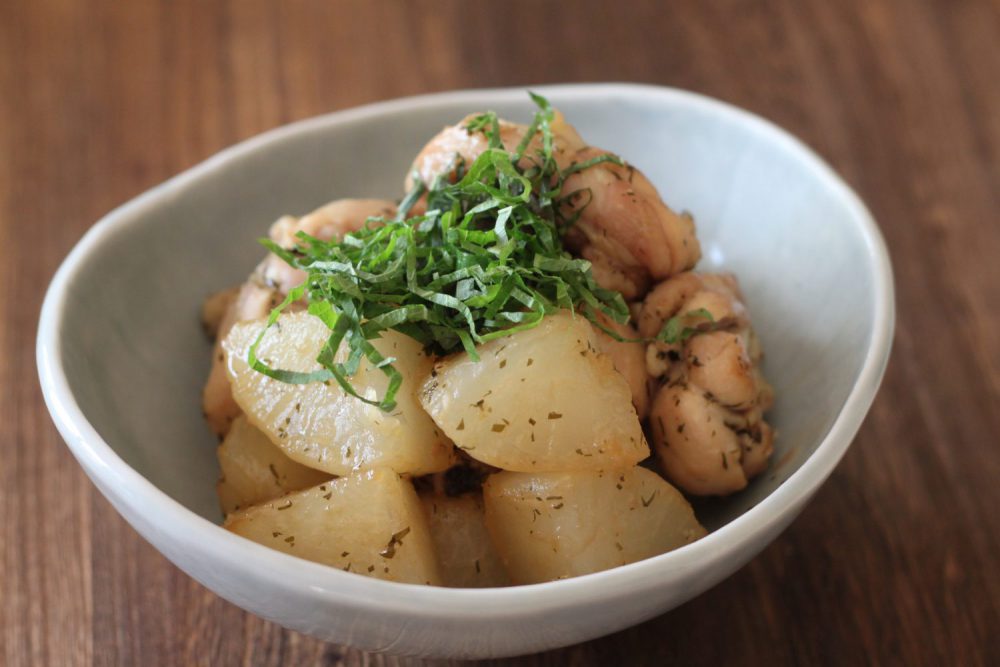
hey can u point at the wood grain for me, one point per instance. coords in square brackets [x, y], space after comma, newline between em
[896, 559]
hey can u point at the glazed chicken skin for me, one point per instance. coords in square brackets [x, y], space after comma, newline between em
[620, 223]
[267, 287]
[706, 416]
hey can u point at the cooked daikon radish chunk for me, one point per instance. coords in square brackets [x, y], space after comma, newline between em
[254, 470]
[250, 301]
[466, 555]
[318, 424]
[543, 400]
[557, 525]
[370, 523]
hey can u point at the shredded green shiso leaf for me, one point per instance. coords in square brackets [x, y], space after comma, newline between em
[674, 330]
[486, 260]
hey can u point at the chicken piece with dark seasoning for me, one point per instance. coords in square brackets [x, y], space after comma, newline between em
[706, 417]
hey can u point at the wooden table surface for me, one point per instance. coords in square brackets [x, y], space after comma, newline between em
[896, 559]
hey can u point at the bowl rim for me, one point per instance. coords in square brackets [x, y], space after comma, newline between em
[322, 582]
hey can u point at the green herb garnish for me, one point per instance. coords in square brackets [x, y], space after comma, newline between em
[678, 330]
[486, 260]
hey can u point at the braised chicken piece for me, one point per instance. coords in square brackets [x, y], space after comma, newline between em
[619, 222]
[623, 227]
[456, 147]
[706, 417]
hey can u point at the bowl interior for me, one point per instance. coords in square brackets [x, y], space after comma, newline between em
[135, 356]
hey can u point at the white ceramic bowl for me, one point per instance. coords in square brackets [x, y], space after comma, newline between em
[122, 358]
